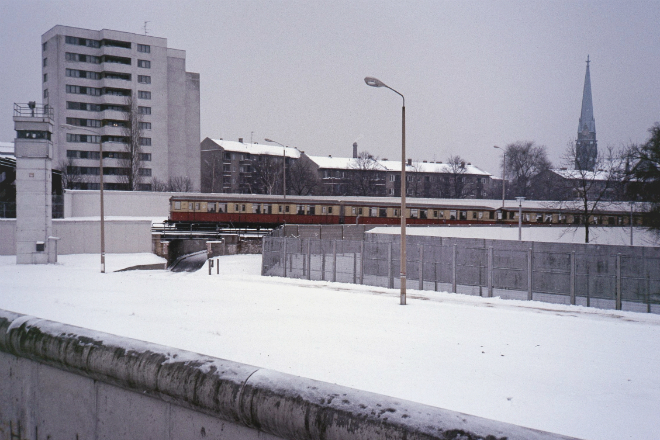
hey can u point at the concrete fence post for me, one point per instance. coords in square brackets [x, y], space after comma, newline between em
[530, 265]
[453, 265]
[618, 281]
[303, 254]
[217, 266]
[490, 272]
[390, 277]
[322, 260]
[309, 259]
[435, 275]
[421, 267]
[284, 256]
[362, 262]
[210, 266]
[573, 277]
[354, 267]
[334, 261]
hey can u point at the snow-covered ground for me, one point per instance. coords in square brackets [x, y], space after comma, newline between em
[553, 234]
[581, 372]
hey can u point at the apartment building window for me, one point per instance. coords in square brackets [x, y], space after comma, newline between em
[226, 168]
[71, 137]
[392, 178]
[83, 122]
[75, 73]
[75, 154]
[115, 155]
[144, 79]
[93, 91]
[145, 157]
[144, 171]
[44, 46]
[143, 94]
[45, 77]
[146, 64]
[82, 58]
[145, 142]
[145, 125]
[117, 75]
[116, 43]
[116, 92]
[144, 48]
[113, 123]
[82, 41]
[83, 106]
[116, 139]
[45, 62]
[45, 93]
[114, 107]
[144, 110]
[116, 60]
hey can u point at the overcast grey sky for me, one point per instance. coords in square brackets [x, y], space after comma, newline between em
[474, 74]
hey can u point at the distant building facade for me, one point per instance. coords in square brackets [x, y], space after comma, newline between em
[87, 77]
[586, 146]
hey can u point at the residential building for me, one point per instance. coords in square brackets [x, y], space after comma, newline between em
[248, 168]
[89, 78]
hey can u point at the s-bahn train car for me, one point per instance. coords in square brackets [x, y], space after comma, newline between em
[255, 210]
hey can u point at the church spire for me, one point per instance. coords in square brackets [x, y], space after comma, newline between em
[586, 145]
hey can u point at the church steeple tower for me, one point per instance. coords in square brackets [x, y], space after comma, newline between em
[586, 147]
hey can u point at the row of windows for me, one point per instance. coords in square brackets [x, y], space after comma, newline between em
[111, 91]
[107, 171]
[105, 42]
[31, 134]
[76, 73]
[82, 58]
[70, 105]
[93, 91]
[74, 137]
[83, 122]
[94, 155]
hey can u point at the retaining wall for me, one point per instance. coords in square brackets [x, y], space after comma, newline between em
[65, 382]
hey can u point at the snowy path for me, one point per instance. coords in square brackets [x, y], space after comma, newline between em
[582, 372]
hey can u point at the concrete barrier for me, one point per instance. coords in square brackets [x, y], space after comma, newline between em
[61, 381]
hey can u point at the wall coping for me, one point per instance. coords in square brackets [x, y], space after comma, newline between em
[287, 406]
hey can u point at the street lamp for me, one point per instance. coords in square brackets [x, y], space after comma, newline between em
[503, 169]
[73, 127]
[283, 165]
[520, 200]
[373, 82]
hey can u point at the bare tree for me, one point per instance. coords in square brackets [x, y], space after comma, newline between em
[173, 184]
[303, 179]
[524, 160]
[415, 183]
[131, 161]
[366, 176]
[457, 170]
[592, 189]
[72, 178]
[644, 173]
[266, 175]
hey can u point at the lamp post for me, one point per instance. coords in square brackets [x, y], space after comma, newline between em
[503, 170]
[283, 165]
[373, 82]
[520, 200]
[73, 127]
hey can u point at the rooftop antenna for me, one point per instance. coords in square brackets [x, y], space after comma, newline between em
[145, 28]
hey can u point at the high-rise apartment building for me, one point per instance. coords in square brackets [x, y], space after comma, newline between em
[89, 79]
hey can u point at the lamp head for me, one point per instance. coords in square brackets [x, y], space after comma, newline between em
[269, 140]
[373, 82]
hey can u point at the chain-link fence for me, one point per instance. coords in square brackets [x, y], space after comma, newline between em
[598, 276]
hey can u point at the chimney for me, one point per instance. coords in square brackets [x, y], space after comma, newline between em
[409, 162]
[240, 140]
[354, 150]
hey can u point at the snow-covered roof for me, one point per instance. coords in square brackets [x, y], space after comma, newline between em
[257, 149]
[347, 163]
[7, 149]
[588, 175]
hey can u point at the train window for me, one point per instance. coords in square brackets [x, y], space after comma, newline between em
[329, 209]
[548, 218]
[396, 213]
[323, 210]
[256, 208]
[242, 208]
[311, 210]
[177, 205]
[539, 218]
[441, 214]
[512, 215]
[435, 213]
[527, 217]
[413, 213]
[280, 209]
[267, 209]
[474, 215]
[210, 207]
[196, 206]
[222, 207]
[481, 215]
[286, 208]
[491, 215]
[359, 211]
[452, 215]
[301, 209]
[422, 213]
[382, 212]
[499, 215]
[463, 215]
[373, 212]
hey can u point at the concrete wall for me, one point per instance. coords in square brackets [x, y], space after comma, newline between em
[82, 236]
[79, 203]
[65, 382]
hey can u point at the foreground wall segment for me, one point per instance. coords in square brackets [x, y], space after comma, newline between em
[67, 382]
